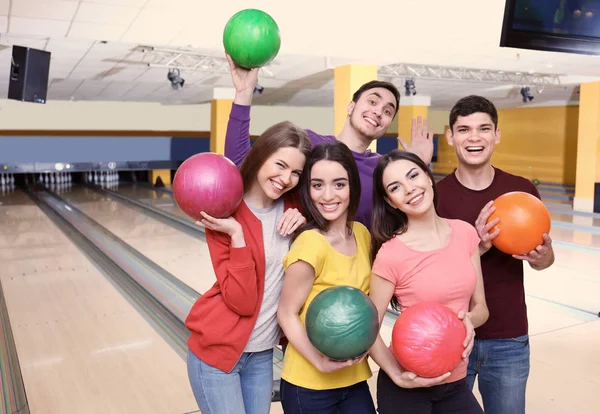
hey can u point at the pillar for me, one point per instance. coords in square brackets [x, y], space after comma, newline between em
[347, 79]
[220, 107]
[588, 147]
[411, 107]
[165, 176]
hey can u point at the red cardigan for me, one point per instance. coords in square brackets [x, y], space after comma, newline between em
[221, 321]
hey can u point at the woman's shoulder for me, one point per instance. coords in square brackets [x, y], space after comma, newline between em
[359, 228]
[463, 233]
[461, 225]
[309, 238]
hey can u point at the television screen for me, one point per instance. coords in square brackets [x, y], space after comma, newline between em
[553, 25]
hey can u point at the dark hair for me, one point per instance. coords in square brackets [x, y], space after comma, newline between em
[335, 151]
[281, 135]
[378, 84]
[472, 104]
[386, 220]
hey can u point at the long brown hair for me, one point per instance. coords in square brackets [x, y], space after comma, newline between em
[335, 151]
[388, 221]
[281, 135]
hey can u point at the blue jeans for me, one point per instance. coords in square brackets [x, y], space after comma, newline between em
[503, 369]
[247, 389]
[355, 399]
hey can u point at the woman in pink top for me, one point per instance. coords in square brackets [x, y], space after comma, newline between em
[418, 256]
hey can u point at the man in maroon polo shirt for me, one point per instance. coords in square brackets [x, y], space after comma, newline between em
[500, 355]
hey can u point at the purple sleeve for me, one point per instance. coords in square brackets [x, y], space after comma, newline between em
[237, 139]
[317, 139]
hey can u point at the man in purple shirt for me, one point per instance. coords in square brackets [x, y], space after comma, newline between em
[500, 356]
[370, 113]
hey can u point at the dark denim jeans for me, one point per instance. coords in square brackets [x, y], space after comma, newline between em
[502, 368]
[454, 397]
[355, 399]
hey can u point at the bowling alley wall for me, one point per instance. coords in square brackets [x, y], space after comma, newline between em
[537, 142]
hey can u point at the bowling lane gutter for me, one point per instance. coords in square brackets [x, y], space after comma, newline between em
[13, 398]
[156, 294]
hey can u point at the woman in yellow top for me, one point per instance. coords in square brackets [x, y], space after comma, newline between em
[330, 250]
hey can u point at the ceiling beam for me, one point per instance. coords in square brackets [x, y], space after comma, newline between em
[186, 60]
[408, 70]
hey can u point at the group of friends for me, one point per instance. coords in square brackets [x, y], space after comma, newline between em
[321, 211]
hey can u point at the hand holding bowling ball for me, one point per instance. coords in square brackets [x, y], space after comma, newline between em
[411, 380]
[521, 220]
[229, 226]
[244, 81]
[470, 338]
[327, 365]
[484, 226]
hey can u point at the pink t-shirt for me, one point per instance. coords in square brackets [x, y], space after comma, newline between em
[445, 275]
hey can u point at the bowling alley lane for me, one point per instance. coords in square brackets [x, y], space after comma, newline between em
[573, 280]
[82, 347]
[159, 198]
[184, 256]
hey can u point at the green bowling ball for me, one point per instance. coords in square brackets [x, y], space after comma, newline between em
[342, 323]
[251, 37]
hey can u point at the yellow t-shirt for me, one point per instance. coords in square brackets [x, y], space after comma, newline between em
[331, 269]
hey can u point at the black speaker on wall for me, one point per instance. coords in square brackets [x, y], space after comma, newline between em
[29, 71]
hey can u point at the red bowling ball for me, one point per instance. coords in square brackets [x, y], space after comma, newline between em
[210, 183]
[427, 339]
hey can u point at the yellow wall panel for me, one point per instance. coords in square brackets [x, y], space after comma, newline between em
[537, 142]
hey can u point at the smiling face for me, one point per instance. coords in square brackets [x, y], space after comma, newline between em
[330, 190]
[408, 188]
[373, 112]
[280, 172]
[473, 138]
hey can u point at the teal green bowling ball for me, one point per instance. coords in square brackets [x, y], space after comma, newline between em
[251, 37]
[342, 323]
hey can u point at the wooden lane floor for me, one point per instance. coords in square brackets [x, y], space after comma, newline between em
[82, 347]
[184, 256]
[162, 199]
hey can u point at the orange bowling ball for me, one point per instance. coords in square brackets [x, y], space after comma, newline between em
[523, 220]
